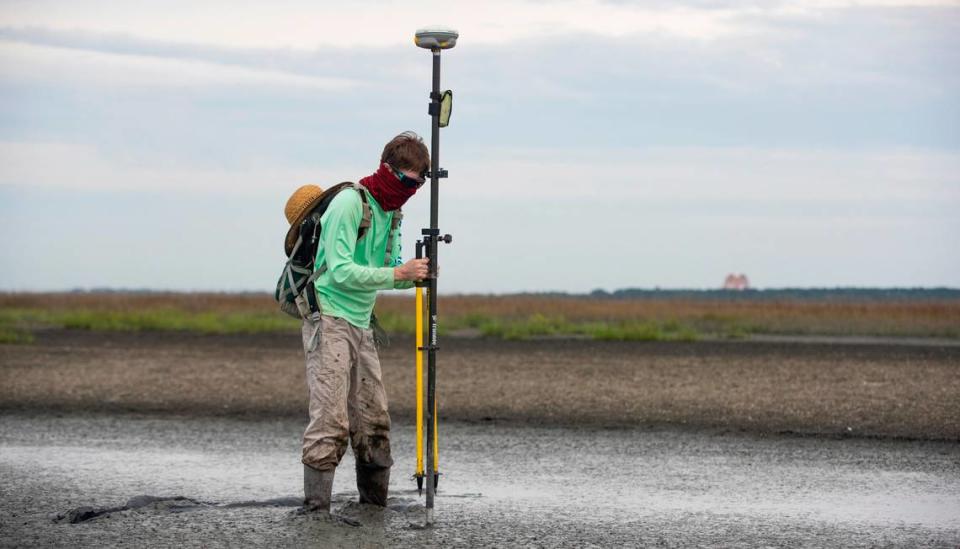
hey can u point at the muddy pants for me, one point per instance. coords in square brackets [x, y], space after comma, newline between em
[347, 398]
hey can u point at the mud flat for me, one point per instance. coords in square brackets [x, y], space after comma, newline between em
[95, 480]
[821, 388]
[132, 440]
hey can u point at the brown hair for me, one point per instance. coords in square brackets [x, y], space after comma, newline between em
[406, 152]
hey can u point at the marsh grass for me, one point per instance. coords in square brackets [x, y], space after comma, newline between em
[16, 324]
[507, 317]
[13, 332]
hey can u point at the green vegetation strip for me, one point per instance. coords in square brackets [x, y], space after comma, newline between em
[538, 325]
[16, 325]
[18, 322]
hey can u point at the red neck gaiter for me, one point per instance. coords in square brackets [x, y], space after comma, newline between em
[387, 189]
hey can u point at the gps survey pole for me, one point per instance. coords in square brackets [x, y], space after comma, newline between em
[434, 39]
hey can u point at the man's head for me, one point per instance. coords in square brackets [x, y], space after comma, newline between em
[407, 155]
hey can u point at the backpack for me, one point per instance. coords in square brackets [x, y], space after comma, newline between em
[295, 289]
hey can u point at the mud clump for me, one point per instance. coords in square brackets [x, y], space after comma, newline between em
[81, 514]
[172, 504]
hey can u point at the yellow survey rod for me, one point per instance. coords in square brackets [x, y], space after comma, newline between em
[419, 376]
[436, 440]
[436, 444]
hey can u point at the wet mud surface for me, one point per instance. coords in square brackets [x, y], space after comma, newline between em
[138, 480]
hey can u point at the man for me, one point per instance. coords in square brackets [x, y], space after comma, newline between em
[347, 397]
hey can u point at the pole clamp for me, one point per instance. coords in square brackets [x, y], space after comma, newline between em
[441, 173]
[428, 236]
[429, 348]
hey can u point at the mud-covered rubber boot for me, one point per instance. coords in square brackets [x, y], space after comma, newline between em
[317, 488]
[372, 483]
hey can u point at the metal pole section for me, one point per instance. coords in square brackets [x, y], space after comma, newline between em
[432, 295]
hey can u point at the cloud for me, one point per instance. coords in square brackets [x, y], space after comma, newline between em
[740, 181]
[199, 108]
[332, 64]
[727, 174]
[77, 167]
[365, 24]
[226, 240]
[25, 62]
[308, 25]
[629, 143]
[886, 50]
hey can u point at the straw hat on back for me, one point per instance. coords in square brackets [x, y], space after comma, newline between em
[298, 206]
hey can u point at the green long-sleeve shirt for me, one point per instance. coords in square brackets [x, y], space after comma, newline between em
[355, 269]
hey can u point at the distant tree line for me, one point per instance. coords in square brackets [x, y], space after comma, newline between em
[772, 294]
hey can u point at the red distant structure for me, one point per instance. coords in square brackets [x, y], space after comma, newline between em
[736, 282]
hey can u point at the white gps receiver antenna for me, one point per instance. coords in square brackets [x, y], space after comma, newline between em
[436, 38]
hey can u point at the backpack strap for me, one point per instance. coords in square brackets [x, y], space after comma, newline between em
[397, 217]
[286, 284]
[362, 230]
[365, 220]
[289, 269]
[307, 301]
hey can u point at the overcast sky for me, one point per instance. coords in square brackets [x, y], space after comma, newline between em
[592, 145]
